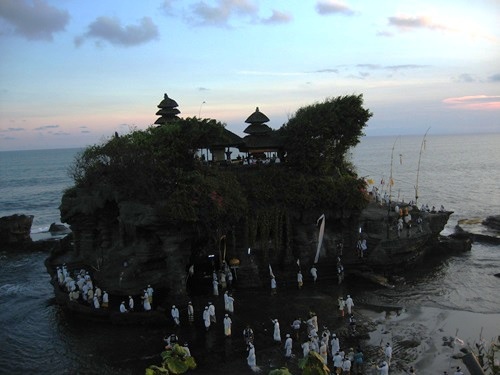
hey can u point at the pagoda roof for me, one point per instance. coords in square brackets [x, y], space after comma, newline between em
[257, 117]
[167, 102]
[257, 129]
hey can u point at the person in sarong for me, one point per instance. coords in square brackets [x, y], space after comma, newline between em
[288, 346]
[227, 325]
[175, 315]
[190, 312]
[276, 333]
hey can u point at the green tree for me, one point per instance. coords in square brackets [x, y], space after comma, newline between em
[174, 361]
[318, 136]
[313, 365]
[280, 371]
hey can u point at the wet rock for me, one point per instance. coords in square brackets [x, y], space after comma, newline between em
[15, 230]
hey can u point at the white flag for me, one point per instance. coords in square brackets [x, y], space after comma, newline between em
[320, 238]
[271, 271]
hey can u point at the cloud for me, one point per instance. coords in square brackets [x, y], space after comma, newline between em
[465, 77]
[203, 89]
[474, 102]
[111, 30]
[220, 14]
[494, 78]
[327, 71]
[405, 23]
[394, 68]
[277, 18]
[326, 7]
[34, 20]
[47, 127]
[11, 130]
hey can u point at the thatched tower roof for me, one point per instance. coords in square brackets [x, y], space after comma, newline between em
[167, 111]
[257, 117]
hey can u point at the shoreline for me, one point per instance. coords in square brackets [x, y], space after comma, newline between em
[416, 333]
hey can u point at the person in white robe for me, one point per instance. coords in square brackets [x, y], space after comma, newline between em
[175, 315]
[349, 303]
[123, 309]
[251, 358]
[227, 325]
[335, 344]
[226, 295]
[288, 346]
[105, 299]
[145, 301]
[150, 292]
[314, 273]
[211, 311]
[276, 333]
[206, 318]
[130, 303]
[323, 352]
[230, 304]
[300, 280]
[190, 312]
[97, 305]
[306, 347]
[215, 285]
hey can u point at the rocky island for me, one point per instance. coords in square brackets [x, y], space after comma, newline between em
[171, 205]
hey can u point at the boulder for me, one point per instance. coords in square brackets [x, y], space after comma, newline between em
[15, 230]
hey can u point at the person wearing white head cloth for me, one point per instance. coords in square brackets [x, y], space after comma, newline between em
[288, 346]
[145, 301]
[349, 303]
[227, 325]
[175, 315]
[206, 318]
[105, 299]
[251, 358]
[97, 305]
[335, 344]
[383, 368]
[388, 353]
[276, 333]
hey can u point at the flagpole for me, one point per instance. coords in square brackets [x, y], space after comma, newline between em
[418, 168]
[390, 188]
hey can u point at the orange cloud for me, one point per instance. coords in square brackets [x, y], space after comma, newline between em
[474, 102]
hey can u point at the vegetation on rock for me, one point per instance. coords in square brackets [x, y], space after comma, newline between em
[160, 166]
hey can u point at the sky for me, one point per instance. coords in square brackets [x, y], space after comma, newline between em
[72, 72]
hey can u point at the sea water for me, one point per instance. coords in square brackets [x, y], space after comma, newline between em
[460, 172]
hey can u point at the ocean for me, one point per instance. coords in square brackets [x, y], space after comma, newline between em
[455, 296]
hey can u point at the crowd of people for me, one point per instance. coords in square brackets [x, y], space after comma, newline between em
[80, 288]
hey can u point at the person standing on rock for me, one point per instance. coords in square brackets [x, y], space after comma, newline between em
[206, 318]
[337, 362]
[273, 286]
[288, 347]
[105, 300]
[276, 333]
[227, 325]
[388, 353]
[215, 285]
[251, 358]
[190, 312]
[145, 301]
[341, 304]
[323, 352]
[314, 273]
[96, 302]
[349, 303]
[230, 304]
[130, 303]
[383, 368]
[335, 344]
[123, 309]
[150, 292]
[306, 347]
[211, 312]
[346, 366]
[175, 315]
[296, 327]
[300, 279]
